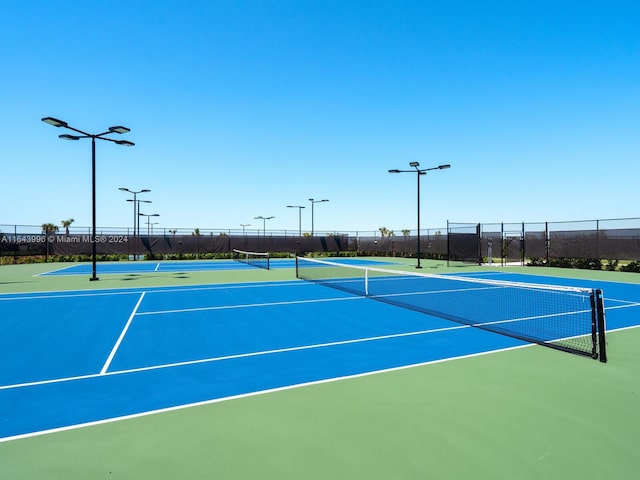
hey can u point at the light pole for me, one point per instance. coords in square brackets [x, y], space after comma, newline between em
[137, 219]
[100, 136]
[419, 171]
[264, 223]
[313, 202]
[243, 225]
[299, 207]
[149, 220]
[136, 208]
[138, 203]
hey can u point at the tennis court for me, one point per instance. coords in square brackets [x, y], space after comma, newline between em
[83, 357]
[174, 266]
[118, 268]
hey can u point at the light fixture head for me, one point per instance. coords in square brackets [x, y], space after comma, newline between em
[54, 121]
[119, 129]
[66, 136]
[414, 164]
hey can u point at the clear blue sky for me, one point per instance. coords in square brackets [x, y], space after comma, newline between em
[239, 108]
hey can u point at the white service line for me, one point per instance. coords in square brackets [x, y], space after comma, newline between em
[235, 356]
[122, 334]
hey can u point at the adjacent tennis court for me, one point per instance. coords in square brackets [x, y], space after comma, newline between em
[119, 268]
[174, 266]
[82, 359]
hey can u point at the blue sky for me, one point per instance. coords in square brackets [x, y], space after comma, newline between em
[239, 108]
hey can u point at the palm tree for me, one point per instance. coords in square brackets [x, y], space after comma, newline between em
[66, 224]
[49, 228]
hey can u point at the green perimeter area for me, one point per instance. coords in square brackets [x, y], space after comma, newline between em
[527, 413]
[22, 278]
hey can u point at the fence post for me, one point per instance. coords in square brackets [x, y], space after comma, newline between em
[547, 240]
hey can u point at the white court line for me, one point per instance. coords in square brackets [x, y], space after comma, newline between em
[236, 356]
[157, 267]
[8, 298]
[627, 305]
[129, 290]
[251, 394]
[122, 334]
[54, 271]
[250, 305]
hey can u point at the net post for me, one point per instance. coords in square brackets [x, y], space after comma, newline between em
[297, 272]
[601, 326]
[594, 324]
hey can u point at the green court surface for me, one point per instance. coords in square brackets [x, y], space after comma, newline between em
[526, 413]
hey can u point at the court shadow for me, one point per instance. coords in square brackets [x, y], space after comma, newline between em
[131, 276]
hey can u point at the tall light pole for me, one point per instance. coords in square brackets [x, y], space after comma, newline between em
[149, 220]
[264, 223]
[419, 171]
[100, 136]
[136, 224]
[313, 202]
[243, 225]
[136, 208]
[299, 207]
[139, 202]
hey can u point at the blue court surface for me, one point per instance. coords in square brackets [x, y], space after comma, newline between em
[174, 266]
[77, 358]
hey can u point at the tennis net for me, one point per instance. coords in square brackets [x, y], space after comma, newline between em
[565, 318]
[256, 259]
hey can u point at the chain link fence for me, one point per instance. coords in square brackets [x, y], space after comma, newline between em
[583, 244]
